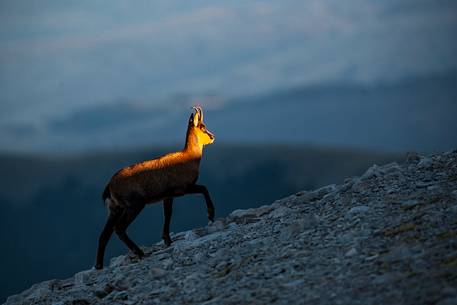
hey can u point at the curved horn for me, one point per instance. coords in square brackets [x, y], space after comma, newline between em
[201, 113]
[197, 113]
[199, 110]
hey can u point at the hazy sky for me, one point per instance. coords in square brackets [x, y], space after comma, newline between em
[56, 56]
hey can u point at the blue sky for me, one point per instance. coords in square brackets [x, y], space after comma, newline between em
[57, 57]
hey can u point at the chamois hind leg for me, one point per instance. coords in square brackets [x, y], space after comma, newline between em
[201, 189]
[120, 228]
[167, 211]
[105, 236]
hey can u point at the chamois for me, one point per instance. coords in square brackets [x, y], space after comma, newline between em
[172, 175]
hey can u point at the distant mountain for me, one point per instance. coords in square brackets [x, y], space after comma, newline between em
[51, 211]
[413, 114]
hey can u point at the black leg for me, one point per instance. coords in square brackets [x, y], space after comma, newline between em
[201, 189]
[104, 238]
[167, 211]
[121, 227]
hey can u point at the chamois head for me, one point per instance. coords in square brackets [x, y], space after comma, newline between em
[198, 128]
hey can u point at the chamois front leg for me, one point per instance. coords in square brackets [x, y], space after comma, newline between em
[201, 189]
[167, 211]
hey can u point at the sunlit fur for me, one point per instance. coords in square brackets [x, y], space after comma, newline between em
[163, 178]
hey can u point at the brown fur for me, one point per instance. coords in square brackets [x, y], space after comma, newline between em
[163, 178]
[154, 180]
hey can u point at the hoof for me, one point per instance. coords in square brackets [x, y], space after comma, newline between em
[140, 254]
[98, 267]
[167, 242]
[211, 216]
[166, 239]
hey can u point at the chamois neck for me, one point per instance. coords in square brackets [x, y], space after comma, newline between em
[192, 146]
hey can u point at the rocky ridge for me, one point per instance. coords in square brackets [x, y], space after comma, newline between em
[387, 237]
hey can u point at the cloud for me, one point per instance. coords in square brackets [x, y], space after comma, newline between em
[56, 58]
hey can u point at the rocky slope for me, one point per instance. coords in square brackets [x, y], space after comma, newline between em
[387, 237]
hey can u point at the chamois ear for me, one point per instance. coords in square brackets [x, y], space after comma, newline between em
[196, 119]
[193, 120]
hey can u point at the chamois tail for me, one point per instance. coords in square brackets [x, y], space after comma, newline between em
[106, 194]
